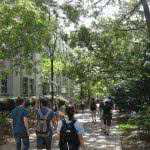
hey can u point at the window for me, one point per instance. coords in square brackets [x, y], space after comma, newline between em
[31, 86]
[25, 86]
[4, 85]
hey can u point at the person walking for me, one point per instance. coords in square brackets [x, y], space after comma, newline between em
[70, 132]
[93, 110]
[101, 105]
[107, 117]
[82, 106]
[20, 125]
[43, 128]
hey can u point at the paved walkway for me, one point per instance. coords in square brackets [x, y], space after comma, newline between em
[94, 137]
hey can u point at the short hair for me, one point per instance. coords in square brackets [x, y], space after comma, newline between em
[70, 110]
[19, 101]
[44, 102]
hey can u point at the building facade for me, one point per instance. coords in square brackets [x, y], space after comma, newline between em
[21, 83]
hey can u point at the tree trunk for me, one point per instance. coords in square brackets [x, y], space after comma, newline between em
[81, 91]
[52, 80]
[147, 14]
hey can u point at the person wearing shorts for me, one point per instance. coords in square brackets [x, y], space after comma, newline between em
[107, 117]
[93, 110]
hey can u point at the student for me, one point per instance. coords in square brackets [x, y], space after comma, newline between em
[101, 105]
[93, 110]
[44, 130]
[82, 106]
[20, 124]
[107, 116]
[70, 132]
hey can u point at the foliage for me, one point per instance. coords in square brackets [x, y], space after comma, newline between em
[45, 64]
[4, 120]
[142, 120]
[23, 30]
[132, 94]
[127, 127]
[72, 13]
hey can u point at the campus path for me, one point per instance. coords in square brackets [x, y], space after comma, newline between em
[94, 137]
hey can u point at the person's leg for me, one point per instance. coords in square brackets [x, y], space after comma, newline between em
[92, 116]
[40, 143]
[105, 125]
[26, 143]
[48, 141]
[99, 114]
[108, 126]
[18, 143]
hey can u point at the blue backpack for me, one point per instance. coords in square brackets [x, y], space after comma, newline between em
[69, 139]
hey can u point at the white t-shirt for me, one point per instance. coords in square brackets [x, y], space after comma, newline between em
[78, 125]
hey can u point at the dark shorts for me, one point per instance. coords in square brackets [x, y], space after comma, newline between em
[107, 119]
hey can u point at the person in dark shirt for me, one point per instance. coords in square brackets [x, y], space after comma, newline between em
[107, 117]
[93, 110]
[20, 124]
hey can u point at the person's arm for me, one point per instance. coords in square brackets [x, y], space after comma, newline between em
[80, 132]
[81, 141]
[58, 129]
[37, 105]
[25, 120]
[26, 123]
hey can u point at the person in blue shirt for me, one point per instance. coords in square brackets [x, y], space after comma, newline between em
[20, 124]
[44, 141]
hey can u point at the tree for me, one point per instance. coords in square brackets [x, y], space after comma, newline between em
[24, 28]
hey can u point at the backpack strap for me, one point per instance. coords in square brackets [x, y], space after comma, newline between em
[64, 123]
[41, 114]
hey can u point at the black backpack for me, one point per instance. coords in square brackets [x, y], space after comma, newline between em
[69, 139]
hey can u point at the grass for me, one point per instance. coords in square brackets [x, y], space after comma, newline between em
[127, 127]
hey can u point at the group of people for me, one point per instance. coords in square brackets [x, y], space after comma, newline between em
[104, 109]
[69, 130]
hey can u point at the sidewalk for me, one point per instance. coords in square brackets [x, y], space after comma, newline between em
[94, 138]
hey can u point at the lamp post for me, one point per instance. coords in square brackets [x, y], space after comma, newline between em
[51, 51]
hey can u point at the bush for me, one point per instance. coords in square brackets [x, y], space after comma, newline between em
[127, 127]
[4, 120]
[142, 120]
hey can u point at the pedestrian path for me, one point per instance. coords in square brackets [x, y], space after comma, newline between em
[94, 137]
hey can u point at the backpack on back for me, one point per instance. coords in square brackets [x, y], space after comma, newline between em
[69, 139]
[42, 123]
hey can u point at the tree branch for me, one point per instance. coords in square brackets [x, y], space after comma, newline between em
[130, 13]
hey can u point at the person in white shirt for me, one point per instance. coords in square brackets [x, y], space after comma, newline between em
[78, 126]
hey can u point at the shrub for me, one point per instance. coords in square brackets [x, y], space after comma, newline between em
[142, 120]
[127, 127]
[4, 120]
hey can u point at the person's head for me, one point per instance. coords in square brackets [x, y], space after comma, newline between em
[20, 101]
[70, 110]
[107, 103]
[44, 102]
[109, 97]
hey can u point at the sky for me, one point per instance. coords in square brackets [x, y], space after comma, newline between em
[109, 11]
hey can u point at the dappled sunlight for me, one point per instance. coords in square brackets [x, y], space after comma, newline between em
[95, 139]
